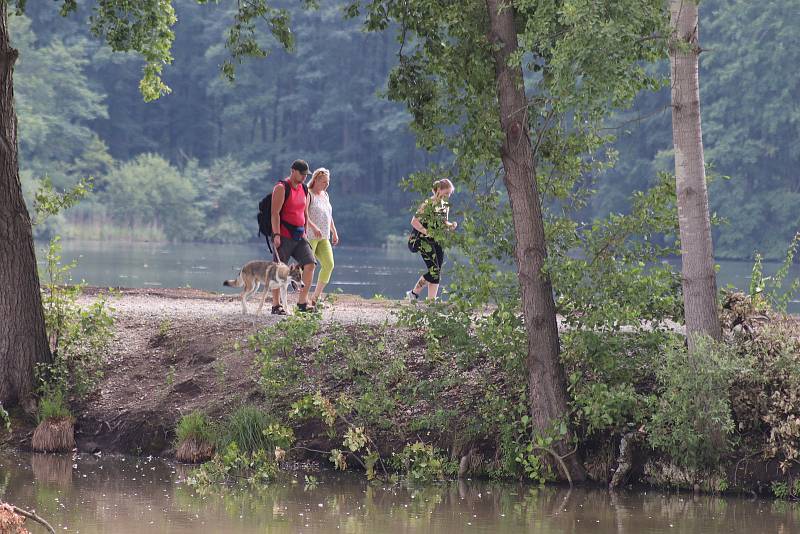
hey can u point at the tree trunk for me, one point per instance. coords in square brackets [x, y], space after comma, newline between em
[546, 379]
[23, 341]
[697, 253]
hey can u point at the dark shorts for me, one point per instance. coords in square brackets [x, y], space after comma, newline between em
[299, 250]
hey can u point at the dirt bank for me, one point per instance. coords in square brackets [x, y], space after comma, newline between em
[179, 350]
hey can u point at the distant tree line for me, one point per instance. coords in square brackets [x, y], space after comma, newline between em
[194, 165]
[213, 148]
[751, 130]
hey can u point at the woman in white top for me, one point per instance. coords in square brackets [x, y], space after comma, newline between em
[323, 229]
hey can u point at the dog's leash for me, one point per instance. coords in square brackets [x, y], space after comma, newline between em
[275, 257]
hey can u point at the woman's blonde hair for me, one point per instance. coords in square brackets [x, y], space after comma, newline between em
[444, 183]
[321, 170]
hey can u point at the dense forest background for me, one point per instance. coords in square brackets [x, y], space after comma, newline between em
[193, 165]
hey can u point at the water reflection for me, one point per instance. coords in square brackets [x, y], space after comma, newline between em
[131, 495]
[52, 470]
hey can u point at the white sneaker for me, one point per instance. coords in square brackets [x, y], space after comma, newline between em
[411, 296]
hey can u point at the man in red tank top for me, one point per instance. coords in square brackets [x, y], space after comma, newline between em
[289, 216]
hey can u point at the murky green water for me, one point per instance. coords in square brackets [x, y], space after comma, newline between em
[131, 495]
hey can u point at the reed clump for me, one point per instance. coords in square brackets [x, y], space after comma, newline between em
[195, 437]
[56, 430]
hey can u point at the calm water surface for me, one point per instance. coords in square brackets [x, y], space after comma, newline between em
[361, 271]
[131, 495]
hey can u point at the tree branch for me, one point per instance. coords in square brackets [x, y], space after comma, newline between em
[32, 515]
[637, 119]
[559, 459]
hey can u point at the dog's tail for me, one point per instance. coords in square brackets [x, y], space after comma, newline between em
[236, 282]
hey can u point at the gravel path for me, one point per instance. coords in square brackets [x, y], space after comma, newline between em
[193, 304]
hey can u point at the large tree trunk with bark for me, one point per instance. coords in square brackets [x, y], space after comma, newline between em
[697, 253]
[546, 378]
[23, 341]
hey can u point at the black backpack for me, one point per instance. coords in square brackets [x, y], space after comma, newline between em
[264, 216]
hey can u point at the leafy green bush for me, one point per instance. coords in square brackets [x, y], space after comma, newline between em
[420, 462]
[275, 346]
[780, 489]
[53, 406]
[147, 189]
[250, 445]
[692, 421]
[602, 407]
[196, 425]
[495, 341]
[611, 377]
[79, 336]
[233, 466]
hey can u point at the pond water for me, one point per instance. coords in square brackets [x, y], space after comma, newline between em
[363, 271]
[132, 495]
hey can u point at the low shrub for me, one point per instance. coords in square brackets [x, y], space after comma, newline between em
[250, 447]
[604, 408]
[420, 462]
[275, 358]
[79, 335]
[234, 465]
[692, 421]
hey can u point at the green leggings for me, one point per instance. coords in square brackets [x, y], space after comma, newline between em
[324, 253]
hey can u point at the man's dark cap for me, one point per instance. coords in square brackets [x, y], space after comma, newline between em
[300, 166]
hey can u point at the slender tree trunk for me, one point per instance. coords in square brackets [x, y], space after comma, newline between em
[23, 341]
[546, 379]
[697, 252]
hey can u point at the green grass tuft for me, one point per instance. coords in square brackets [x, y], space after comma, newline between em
[196, 425]
[53, 406]
[246, 427]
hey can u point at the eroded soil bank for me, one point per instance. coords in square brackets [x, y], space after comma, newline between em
[179, 350]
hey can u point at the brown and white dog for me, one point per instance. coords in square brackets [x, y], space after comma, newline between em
[271, 274]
